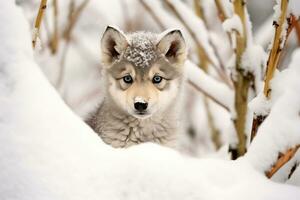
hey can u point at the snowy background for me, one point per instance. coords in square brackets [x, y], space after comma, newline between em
[48, 152]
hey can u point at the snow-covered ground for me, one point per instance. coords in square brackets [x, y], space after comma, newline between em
[48, 152]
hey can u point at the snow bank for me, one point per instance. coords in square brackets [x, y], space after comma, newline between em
[47, 152]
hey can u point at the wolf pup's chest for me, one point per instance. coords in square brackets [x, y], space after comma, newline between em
[127, 131]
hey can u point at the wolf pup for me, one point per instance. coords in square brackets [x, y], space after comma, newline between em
[143, 75]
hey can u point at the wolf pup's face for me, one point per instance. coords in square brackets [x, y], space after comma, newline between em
[143, 71]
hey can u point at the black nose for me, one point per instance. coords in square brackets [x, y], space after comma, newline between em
[139, 106]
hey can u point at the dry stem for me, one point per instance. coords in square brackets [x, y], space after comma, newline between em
[199, 11]
[282, 160]
[276, 49]
[222, 72]
[215, 135]
[55, 38]
[73, 18]
[208, 95]
[38, 21]
[241, 81]
[221, 13]
[74, 15]
[274, 57]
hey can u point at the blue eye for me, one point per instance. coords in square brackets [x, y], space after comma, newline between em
[127, 79]
[156, 79]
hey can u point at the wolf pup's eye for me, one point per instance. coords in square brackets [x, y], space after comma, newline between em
[156, 79]
[127, 79]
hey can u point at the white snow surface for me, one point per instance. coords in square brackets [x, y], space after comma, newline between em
[47, 152]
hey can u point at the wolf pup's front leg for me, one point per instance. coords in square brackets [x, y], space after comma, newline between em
[143, 87]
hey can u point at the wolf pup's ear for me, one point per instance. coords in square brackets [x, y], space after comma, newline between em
[172, 46]
[113, 43]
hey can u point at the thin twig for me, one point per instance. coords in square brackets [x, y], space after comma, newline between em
[293, 169]
[74, 15]
[38, 21]
[282, 160]
[221, 13]
[200, 13]
[73, 18]
[55, 38]
[214, 132]
[276, 48]
[208, 95]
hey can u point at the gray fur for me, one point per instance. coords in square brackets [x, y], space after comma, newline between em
[142, 52]
[119, 129]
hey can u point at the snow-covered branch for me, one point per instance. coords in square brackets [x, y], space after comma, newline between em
[278, 137]
[282, 25]
[238, 25]
[215, 90]
[38, 21]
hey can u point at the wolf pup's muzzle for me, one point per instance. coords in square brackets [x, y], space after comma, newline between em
[140, 105]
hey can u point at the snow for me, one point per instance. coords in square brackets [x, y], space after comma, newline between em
[139, 99]
[48, 152]
[280, 131]
[277, 13]
[142, 49]
[253, 61]
[277, 10]
[233, 24]
[260, 105]
[219, 91]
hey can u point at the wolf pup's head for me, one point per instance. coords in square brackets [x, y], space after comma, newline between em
[143, 71]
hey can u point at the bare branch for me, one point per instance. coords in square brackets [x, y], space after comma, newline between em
[241, 80]
[74, 15]
[55, 38]
[276, 48]
[221, 13]
[38, 21]
[214, 99]
[274, 56]
[282, 160]
[73, 18]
